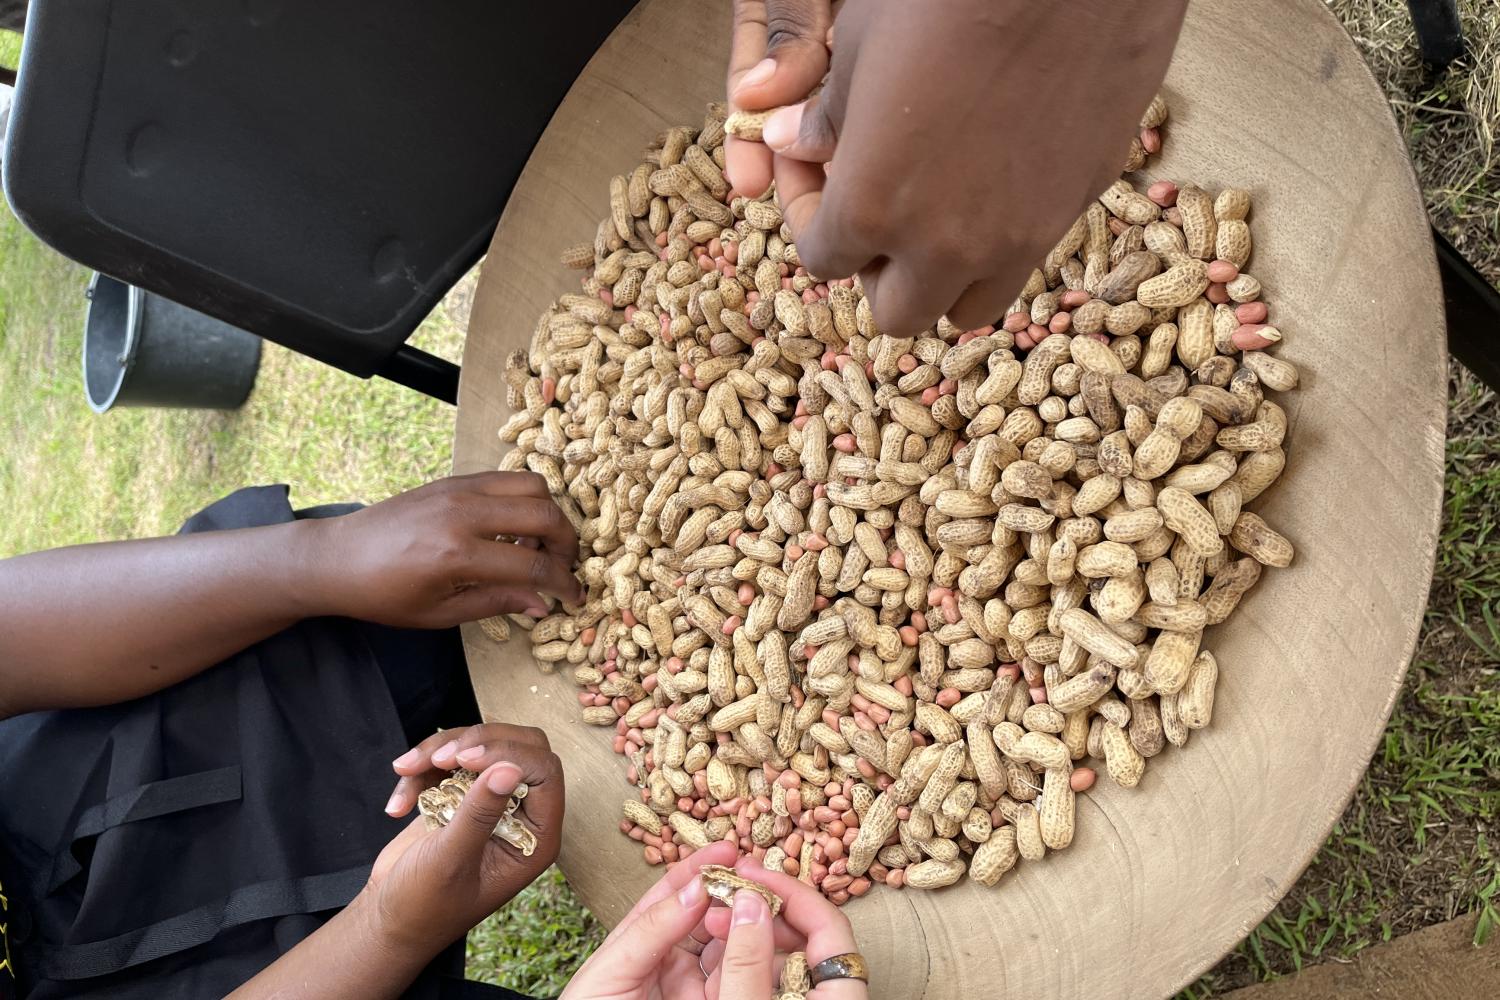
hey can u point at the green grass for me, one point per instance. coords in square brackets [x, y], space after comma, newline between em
[1414, 847]
[535, 944]
[69, 476]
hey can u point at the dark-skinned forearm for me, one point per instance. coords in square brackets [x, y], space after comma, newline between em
[356, 954]
[100, 624]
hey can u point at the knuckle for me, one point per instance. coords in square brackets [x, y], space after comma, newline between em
[865, 218]
[784, 32]
[550, 517]
[791, 22]
[533, 480]
[951, 245]
[449, 552]
[818, 256]
[894, 314]
[748, 11]
[539, 569]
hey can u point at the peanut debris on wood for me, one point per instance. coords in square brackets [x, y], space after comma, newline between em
[863, 604]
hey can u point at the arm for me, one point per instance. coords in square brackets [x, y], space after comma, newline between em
[95, 624]
[98, 624]
[356, 954]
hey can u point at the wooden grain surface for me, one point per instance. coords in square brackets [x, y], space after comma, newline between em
[1434, 963]
[1269, 95]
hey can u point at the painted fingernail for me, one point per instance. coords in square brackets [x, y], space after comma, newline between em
[407, 759]
[692, 894]
[783, 128]
[393, 807]
[504, 777]
[759, 73]
[445, 751]
[749, 908]
[472, 754]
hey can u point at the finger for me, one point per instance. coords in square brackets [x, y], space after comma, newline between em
[713, 952]
[627, 959]
[909, 298]
[477, 750]
[827, 929]
[496, 734]
[506, 484]
[415, 769]
[982, 303]
[799, 191]
[718, 853]
[439, 751]
[796, 37]
[747, 165]
[419, 758]
[745, 971]
[404, 795]
[534, 569]
[533, 517]
[832, 241]
[497, 599]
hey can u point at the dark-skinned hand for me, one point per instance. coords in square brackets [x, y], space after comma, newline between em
[437, 884]
[429, 558]
[961, 137]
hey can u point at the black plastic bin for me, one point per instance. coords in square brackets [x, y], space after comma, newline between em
[140, 349]
[319, 174]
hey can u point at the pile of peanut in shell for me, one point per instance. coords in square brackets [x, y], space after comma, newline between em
[875, 607]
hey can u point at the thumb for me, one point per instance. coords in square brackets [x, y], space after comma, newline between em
[803, 131]
[796, 56]
[745, 972]
[483, 806]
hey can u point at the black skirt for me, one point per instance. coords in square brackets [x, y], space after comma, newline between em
[176, 845]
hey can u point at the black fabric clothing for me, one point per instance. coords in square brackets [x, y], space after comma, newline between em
[175, 845]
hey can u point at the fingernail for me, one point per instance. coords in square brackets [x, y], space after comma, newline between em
[472, 754]
[394, 805]
[759, 73]
[692, 894]
[783, 128]
[504, 777]
[536, 611]
[407, 759]
[749, 908]
[445, 751]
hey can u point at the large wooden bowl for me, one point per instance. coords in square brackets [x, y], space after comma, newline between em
[1162, 880]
